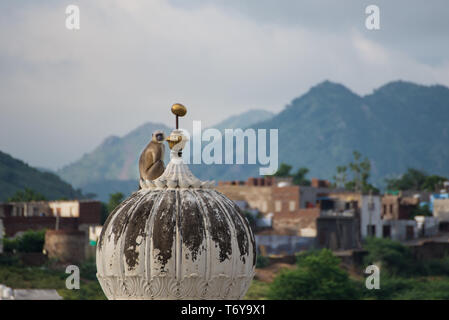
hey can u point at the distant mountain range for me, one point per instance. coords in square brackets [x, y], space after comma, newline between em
[113, 165]
[399, 125]
[245, 119]
[16, 175]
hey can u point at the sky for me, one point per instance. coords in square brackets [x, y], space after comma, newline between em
[62, 92]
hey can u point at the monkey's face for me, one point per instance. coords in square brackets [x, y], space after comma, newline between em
[158, 137]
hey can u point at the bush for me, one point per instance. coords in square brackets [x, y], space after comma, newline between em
[394, 257]
[88, 270]
[262, 261]
[29, 241]
[318, 276]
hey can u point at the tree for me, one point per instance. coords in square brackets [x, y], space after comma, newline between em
[394, 257]
[299, 178]
[317, 276]
[114, 200]
[340, 177]
[414, 179]
[283, 171]
[361, 171]
[26, 195]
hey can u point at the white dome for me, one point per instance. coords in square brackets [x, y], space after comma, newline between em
[177, 238]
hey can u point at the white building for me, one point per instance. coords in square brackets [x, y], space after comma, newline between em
[427, 226]
[400, 230]
[370, 216]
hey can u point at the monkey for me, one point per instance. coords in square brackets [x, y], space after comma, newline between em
[151, 161]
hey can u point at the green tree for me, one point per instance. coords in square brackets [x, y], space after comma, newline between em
[29, 241]
[26, 195]
[114, 200]
[283, 171]
[421, 211]
[394, 257]
[414, 179]
[317, 276]
[434, 183]
[361, 171]
[299, 178]
[340, 177]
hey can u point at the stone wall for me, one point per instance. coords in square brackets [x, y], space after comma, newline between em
[441, 209]
[299, 223]
[67, 246]
[14, 225]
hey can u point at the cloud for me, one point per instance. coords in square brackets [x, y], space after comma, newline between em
[62, 92]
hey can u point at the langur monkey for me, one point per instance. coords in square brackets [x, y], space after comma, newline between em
[151, 162]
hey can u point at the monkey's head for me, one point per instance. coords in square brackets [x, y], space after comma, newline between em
[158, 136]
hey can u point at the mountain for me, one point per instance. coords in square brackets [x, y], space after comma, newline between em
[16, 175]
[113, 165]
[397, 126]
[244, 120]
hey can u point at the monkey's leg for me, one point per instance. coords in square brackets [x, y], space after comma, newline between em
[156, 170]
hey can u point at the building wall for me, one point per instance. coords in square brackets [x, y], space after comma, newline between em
[399, 229]
[66, 246]
[67, 209]
[371, 215]
[338, 232]
[90, 212]
[427, 226]
[441, 209]
[260, 198]
[283, 244]
[13, 225]
[300, 223]
[398, 207]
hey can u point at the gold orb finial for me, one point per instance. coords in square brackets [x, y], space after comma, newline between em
[179, 110]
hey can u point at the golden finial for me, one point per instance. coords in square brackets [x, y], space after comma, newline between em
[179, 110]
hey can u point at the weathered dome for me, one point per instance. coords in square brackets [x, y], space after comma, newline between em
[176, 238]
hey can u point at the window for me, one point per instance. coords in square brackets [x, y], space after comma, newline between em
[391, 208]
[277, 206]
[386, 231]
[371, 230]
[292, 205]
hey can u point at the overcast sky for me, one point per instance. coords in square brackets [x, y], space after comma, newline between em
[62, 92]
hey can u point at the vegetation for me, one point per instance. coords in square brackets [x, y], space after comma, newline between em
[19, 181]
[262, 261]
[21, 277]
[299, 178]
[26, 195]
[257, 291]
[29, 241]
[317, 276]
[114, 200]
[418, 180]
[361, 171]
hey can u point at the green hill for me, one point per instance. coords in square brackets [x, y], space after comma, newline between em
[16, 175]
[244, 120]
